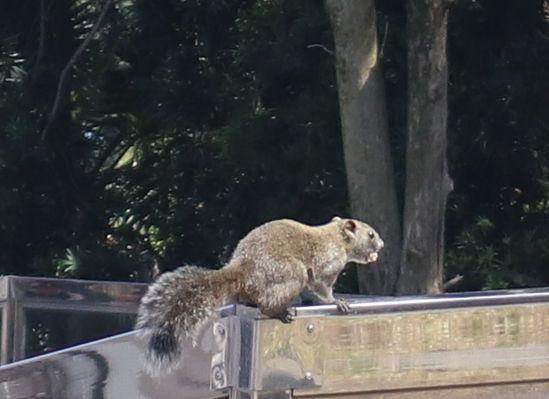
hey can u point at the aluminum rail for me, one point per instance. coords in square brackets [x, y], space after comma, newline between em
[380, 304]
[23, 299]
[475, 345]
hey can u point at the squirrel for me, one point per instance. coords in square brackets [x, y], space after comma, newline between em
[269, 268]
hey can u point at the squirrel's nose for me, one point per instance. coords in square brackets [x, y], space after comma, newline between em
[380, 244]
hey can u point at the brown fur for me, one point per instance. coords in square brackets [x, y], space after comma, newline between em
[270, 268]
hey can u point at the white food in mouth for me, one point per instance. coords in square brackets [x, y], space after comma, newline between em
[372, 257]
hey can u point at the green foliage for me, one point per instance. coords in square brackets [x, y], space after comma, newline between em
[185, 123]
[498, 145]
[475, 256]
[496, 235]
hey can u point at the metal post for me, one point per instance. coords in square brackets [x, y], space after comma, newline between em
[19, 331]
[6, 343]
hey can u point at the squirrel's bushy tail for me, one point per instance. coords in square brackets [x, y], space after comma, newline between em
[175, 306]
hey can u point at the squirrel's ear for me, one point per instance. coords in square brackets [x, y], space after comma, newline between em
[349, 227]
[336, 219]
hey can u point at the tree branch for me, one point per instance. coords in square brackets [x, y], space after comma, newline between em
[322, 47]
[42, 37]
[544, 24]
[63, 77]
[384, 40]
[453, 281]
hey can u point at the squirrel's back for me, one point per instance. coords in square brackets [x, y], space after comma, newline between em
[280, 239]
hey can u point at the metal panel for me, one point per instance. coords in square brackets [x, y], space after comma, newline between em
[82, 295]
[19, 295]
[407, 350]
[500, 391]
[287, 394]
[4, 288]
[110, 368]
[6, 338]
[478, 345]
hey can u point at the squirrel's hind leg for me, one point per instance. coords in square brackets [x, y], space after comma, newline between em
[285, 315]
[276, 300]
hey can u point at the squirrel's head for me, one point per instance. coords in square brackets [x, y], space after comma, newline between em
[364, 243]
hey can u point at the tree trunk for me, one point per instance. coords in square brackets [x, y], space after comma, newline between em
[368, 160]
[427, 180]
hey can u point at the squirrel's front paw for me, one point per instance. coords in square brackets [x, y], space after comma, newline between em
[287, 316]
[342, 305]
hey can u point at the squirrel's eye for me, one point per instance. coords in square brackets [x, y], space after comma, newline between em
[371, 235]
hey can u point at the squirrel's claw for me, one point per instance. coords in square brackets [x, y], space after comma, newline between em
[287, 317]
[342, 305]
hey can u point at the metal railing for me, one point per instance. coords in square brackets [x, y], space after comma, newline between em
[43, 314]
[489, 344]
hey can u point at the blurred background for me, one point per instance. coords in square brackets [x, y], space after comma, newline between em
[137, 136]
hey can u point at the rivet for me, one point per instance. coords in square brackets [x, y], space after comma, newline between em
[308, 375]
[310, 328]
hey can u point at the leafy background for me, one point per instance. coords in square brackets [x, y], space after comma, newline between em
[184, 124]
